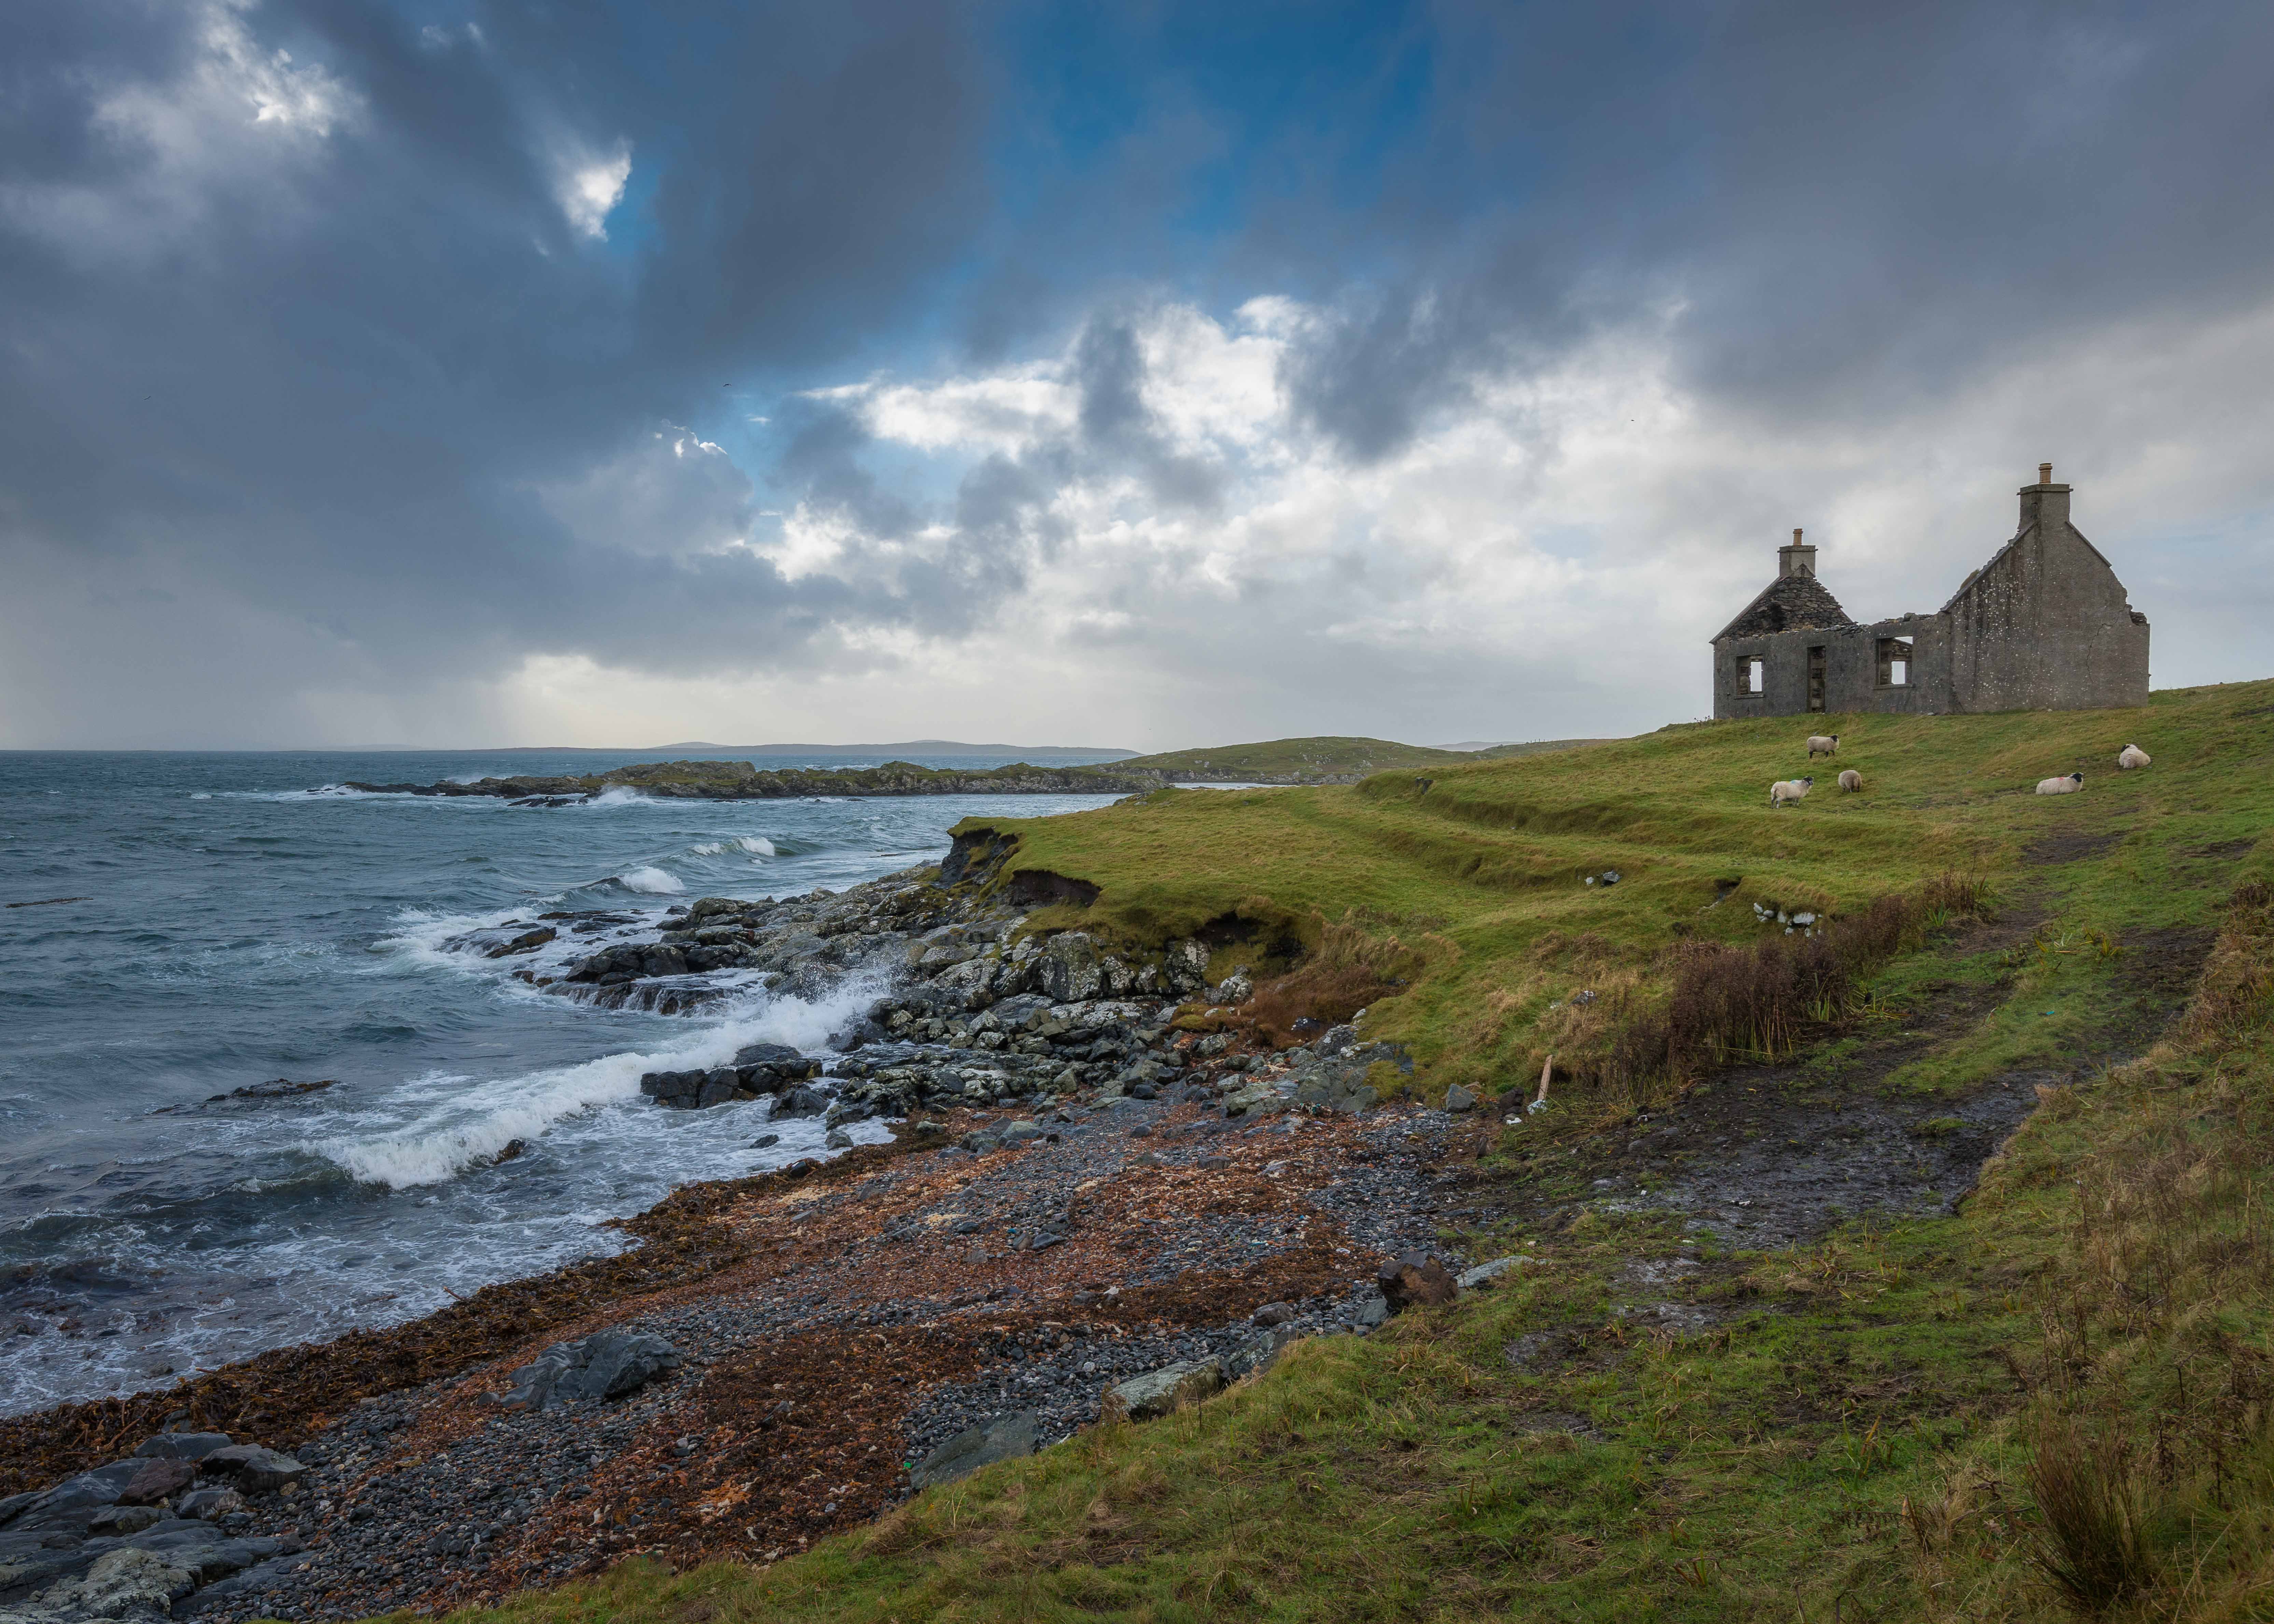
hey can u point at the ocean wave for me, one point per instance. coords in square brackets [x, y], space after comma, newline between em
[472, 1122]
[756, 846]
[621, 795]
[650, 881]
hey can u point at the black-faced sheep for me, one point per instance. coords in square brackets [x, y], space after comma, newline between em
[2130, 757]
[1822, 744]
[1851, 781]
[2068, 786]
[1789, 791]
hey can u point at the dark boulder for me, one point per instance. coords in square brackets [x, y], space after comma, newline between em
[1003, 1439]
[1412, 1278]
[156, 1481]
[607, 1364]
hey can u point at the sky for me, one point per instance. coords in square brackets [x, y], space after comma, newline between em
[1149, 375]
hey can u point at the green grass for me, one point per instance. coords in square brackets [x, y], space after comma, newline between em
[1477, 870]
[1923, 1419]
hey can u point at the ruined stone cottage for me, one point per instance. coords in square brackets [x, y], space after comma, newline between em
[2044, 626]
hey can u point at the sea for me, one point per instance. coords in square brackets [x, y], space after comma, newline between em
[236, 919]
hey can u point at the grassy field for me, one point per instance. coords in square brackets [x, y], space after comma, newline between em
[2051, 1402]
[1294, 757]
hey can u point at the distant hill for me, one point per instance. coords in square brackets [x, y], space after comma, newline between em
[905, 749]
[1292, 760]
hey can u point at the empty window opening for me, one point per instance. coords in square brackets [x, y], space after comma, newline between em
[1752, 673]
[1816, 677]
[1894, 662]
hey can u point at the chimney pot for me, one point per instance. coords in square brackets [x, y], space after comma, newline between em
[2044, 473]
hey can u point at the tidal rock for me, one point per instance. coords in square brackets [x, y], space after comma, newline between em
[1158, 1393]
[121, 1584]
[838, 1139]
[1003, 1439]
[113, 1520]
[255, 1470]
[1412, 1278]
[208, 1505]
[604, 1366]
[158, 1479]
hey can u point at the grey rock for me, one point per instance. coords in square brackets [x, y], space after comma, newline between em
[803, 1102]
[1020, 1133]
[1485, 1273]
[255, 1470]
[604, 1365]
[119, 1584]
[1157, 1393]
[157, 1480]
[1004, 1438]
[208, 1505]
[1069, 969]
[182, 1446]
[1372, 1312]
[1459, 1099]
[117, 1519]
[1275, 1313]
[838, 1139]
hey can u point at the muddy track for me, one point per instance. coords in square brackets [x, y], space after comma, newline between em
[1775, 1155]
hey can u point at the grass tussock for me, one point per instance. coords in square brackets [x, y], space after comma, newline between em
[1726, 1002]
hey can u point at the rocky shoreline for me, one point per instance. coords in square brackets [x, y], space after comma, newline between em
[730, 780]
[1090, 1206]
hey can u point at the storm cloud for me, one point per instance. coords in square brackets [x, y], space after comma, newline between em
[444, 373]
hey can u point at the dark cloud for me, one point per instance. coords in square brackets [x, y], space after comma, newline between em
[1854, 211]
[357, 363]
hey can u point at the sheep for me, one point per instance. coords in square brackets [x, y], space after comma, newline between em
[1791, 790]
[1822, 744]
[2130, 757]
[1851, 781]
[2068, 786]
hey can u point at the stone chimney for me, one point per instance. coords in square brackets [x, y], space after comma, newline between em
[1800, 559]
[2044, 503]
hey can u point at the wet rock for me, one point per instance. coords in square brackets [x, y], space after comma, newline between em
[1006, 1437]
[120, 1584]
[527, 942]
[803, 1102]
[208, 1505]
[608, 1365]
[157, 1480]
[1159, 1392]
[1414, 1279]
[255, 1470]
[838, 1139]
[113, 1520]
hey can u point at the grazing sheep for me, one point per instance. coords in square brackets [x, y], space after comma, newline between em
[1851, 781]
[1822, 744]
[2068, 786]
[1789, 790]
[2130, 757]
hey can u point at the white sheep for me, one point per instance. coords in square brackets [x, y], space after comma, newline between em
[1822, 744]
[2068, 786]
[2130, 757]
[1789, 791]
[1851, 781]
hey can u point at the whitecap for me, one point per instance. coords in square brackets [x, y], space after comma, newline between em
[708, 848]
[621, 795]
[651, 881]
[470, 1123]
[757, 845]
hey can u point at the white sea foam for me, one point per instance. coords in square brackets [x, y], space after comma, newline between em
[621, 795]
[468, 1122]
[651, 881]
[757, 845]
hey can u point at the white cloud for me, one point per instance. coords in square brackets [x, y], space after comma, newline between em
[591, 186]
